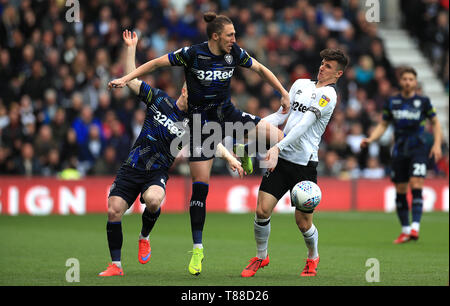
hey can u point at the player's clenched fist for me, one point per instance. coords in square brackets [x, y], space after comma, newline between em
[117, 83]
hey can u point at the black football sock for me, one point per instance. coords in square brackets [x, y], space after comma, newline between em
[417, 205]
[148, 221]
[197, 210]
[402, 209]
[115, 239]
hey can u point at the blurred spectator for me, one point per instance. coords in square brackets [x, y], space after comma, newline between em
[43, 143]
[338, 144]
[119, 140]
[27, 164]
[354, 140]
[70, 148]
[373, 169]
[82, 125]
[91, 149]
[137, 123]
[350, 169]
[59, 125]
[52, 166]
[107, 165]
[330, 166]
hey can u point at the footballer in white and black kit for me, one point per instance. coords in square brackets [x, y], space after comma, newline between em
[298, 156]
[295, 157]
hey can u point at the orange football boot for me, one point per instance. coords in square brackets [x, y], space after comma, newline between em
[402, 238]
[112, 270]
[310, 267]
[254, 265]
[145, 251]
[414, 235]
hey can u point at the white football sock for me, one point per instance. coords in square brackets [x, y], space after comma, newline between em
[198, 246]
[406, 229]
[117, 263]
[142, 237]
[262, 233]
[415, 226]
[311, 237]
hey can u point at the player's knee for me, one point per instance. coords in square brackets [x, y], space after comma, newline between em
[303, 225]
[115, 209]
[153, 202]
[263, 212]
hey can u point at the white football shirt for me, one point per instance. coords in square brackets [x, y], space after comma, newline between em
[305, 97]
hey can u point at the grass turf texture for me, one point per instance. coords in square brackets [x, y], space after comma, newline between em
[34, 250]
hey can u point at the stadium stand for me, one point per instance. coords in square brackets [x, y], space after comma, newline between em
[56, 114]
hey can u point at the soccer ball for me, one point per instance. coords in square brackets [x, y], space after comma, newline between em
[306, 195]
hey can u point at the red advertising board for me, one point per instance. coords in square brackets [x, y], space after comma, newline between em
[43, 196]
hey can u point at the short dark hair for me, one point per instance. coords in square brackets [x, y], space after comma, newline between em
[408, 69]
[215, 23]
[335, 55]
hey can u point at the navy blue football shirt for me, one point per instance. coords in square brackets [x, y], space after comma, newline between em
[207, 75]
[163, 123]
[408, 116]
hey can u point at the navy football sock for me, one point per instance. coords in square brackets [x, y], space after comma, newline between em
[197, 210]
[115, 239]
[417, 205]
[148, 221]
[402, 209]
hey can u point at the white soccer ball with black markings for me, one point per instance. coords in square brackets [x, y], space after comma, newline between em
[306, 195]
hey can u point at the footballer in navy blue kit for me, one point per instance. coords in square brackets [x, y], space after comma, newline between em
[150, 158]
[145, 171]
[408, 113]
[208, 69]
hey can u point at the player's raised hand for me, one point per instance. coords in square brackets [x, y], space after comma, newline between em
[117, 83]
[130, 39]
[364, 143]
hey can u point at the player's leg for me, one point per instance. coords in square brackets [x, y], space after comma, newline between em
[400, 178]
[311, 236]
[261, 229]
[117, 206]
[273, 186]
[123, 193]
[200, 173]
[152, 197]
[416, 184]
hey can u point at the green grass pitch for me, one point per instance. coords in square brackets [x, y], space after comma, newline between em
[34, 250]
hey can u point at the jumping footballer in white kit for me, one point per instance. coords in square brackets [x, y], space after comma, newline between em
[295, 158]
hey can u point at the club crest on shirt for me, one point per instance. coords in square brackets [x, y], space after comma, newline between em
[228, 58]
[417, 103]
[324, 101]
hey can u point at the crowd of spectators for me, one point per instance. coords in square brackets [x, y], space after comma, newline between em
[56, 113]
[427, 22]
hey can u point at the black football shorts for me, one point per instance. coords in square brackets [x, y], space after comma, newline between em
[285, 175]
[130, 182]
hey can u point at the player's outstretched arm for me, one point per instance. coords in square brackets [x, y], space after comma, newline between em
[268, 76]
[162, 61]
[294, 134]
[376, 134]
[436, 150]
[277, 118]
[131, 41]
[234, 164]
